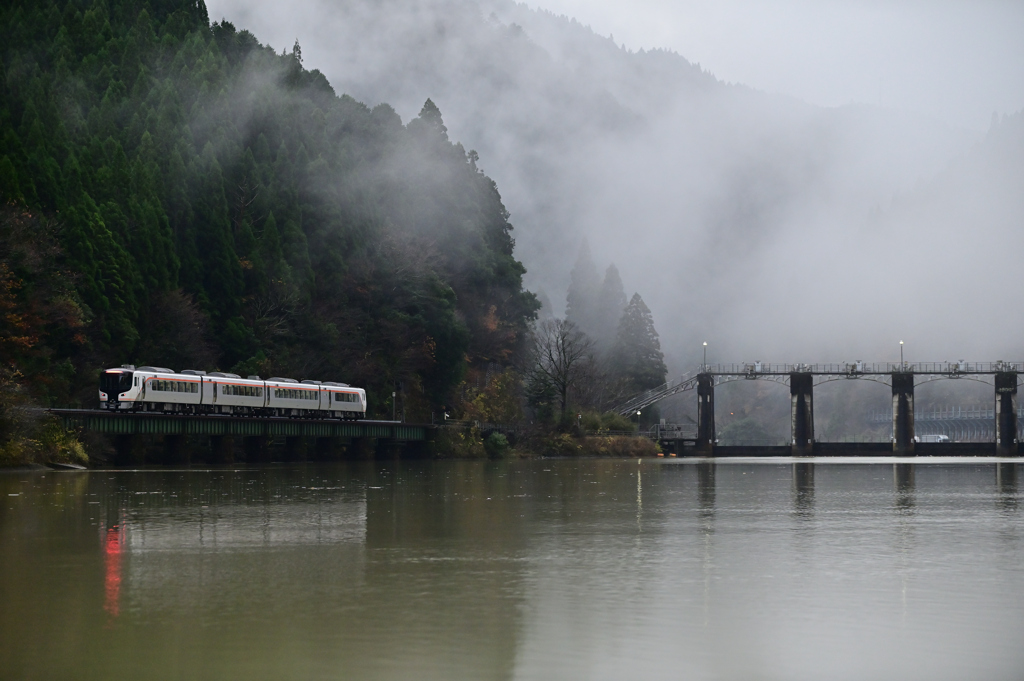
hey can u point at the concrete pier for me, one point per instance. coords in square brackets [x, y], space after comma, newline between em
[222, 449]
[801, 390]
[256, 449]
[903, 413]
[128, 450]
[1006, 413]
[176, 450]
[705, 414]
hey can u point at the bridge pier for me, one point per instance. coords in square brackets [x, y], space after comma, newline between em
[222, 449]
[256, 448]
[294, 448]
[705, 414]
[1006, 413]
[387, 449]
[903, 413]
[362, 448]
[801, 391]
[128, 450]
[329, 449]
[176, 450]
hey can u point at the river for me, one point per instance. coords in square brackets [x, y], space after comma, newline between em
[540, 569]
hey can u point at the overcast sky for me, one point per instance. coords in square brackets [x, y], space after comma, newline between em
[957, 60]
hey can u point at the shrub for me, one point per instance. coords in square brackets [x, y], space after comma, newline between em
[496, 445]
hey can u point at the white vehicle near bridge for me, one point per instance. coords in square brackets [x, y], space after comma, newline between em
[159, 389]
[931, 438]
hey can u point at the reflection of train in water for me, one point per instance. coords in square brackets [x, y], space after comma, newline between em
[198, 392]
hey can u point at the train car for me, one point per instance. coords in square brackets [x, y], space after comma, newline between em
[232, 394]
[342, 401]
[289, 397]
[149, 389]
[163, 390]
[118, 388]
[159, 389]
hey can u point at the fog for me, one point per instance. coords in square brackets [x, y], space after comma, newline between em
[758, 220]
[957, 60]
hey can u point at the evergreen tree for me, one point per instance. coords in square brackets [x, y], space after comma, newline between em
[361, 250]
[637, 361]
[581, 299]
[611, 302]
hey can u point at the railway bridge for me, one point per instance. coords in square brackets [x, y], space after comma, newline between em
[802, 378]
[220, 431]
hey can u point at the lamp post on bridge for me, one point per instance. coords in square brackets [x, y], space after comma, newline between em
[901, 355]
[705, 365]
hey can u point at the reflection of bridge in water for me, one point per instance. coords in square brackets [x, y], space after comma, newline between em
[801, 379]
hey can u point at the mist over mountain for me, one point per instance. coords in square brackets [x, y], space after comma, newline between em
[760, 223]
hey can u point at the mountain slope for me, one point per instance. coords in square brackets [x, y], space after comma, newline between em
[223, 207]
[684, 181]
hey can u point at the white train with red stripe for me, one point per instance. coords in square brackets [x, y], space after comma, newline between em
[197, 392]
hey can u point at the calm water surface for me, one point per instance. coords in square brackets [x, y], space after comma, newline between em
[516, 570]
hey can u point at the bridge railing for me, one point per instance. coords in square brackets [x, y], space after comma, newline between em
[974, 413]
[857, 368]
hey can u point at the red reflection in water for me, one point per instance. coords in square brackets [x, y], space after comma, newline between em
[112, 547]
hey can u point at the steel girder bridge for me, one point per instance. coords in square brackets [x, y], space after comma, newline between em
[801, 379]
[126, 426]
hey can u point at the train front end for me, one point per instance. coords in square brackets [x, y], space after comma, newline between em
[118, 389]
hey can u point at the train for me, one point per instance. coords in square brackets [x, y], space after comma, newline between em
[157, 389]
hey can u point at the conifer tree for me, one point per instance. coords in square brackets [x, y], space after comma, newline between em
[611, 302]
[390, 257]
[581, 299]
[637, 360]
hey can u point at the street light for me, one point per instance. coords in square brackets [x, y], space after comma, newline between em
[901, 354]
[705, 355]
[393, 405]
[638, 420]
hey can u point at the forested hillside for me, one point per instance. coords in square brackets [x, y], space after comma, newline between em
[214, 204]
[696, 188]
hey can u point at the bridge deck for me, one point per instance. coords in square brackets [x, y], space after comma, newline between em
[149, 423]
[854, 369]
